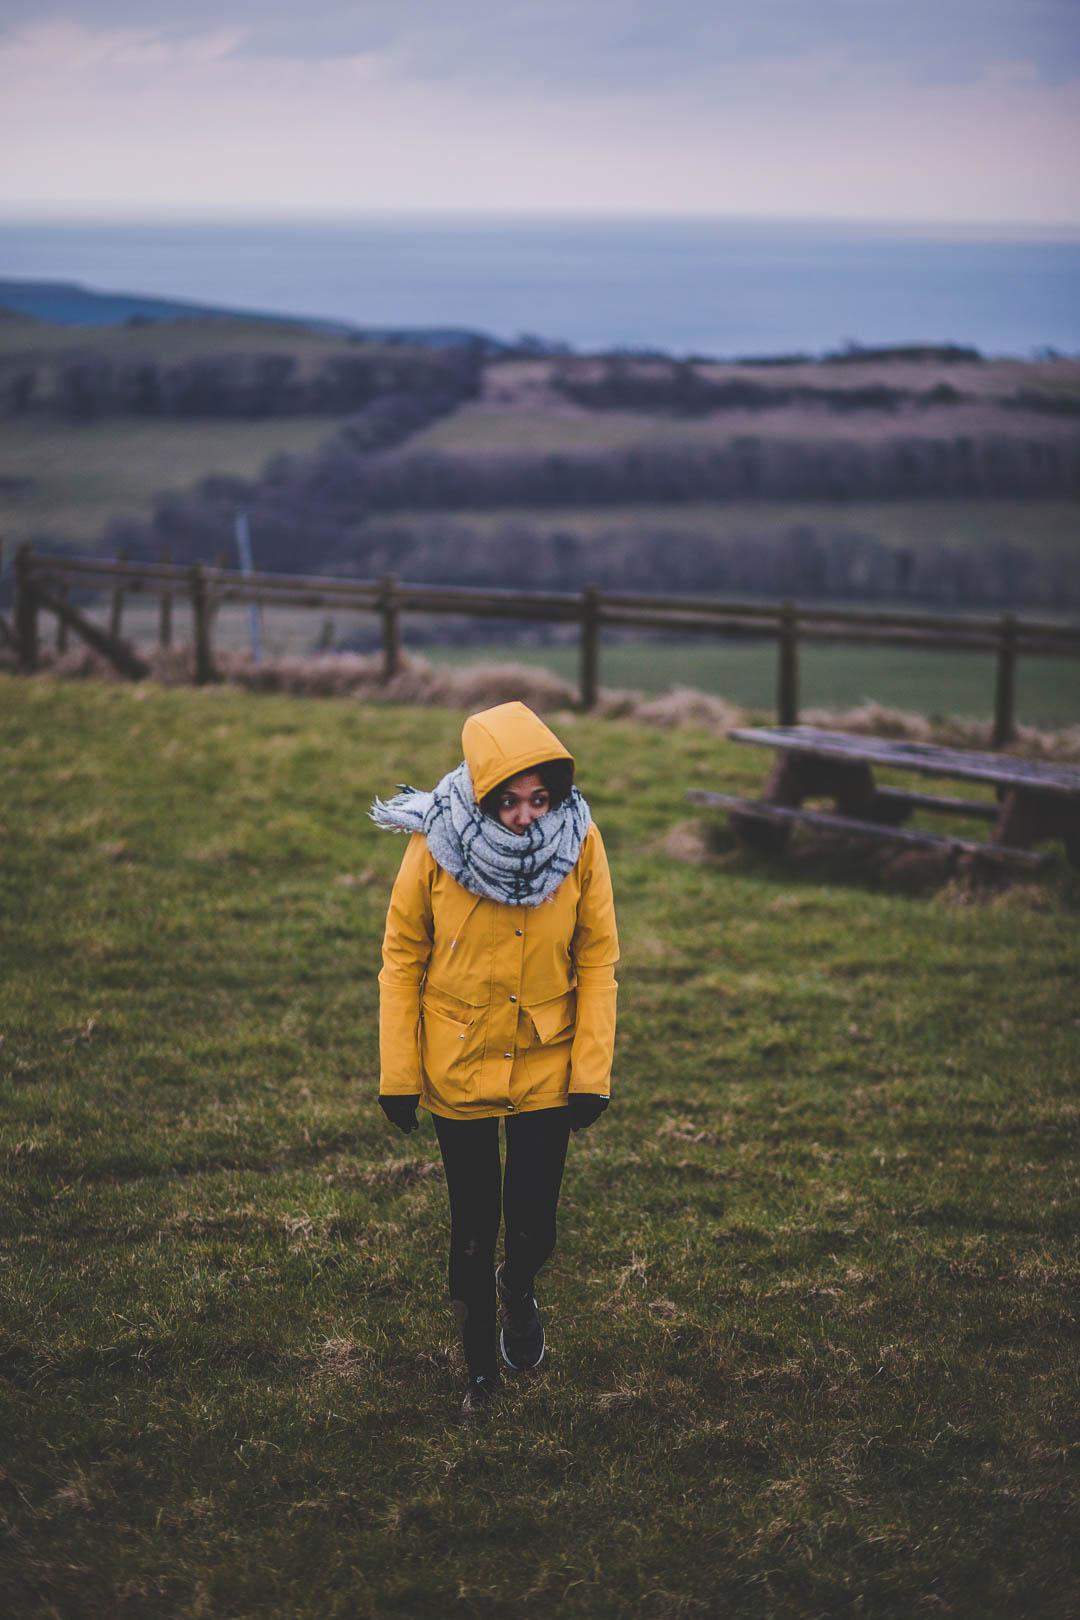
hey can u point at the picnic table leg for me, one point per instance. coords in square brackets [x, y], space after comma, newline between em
[782, 786]
[767, 837]
[795, 777]
[1027, 818]
[853, 791]
[850, 785]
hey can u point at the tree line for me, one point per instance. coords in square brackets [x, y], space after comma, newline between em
[806, 560]
[662, 386]
[663, 473]
[680, 388]
[86, 385]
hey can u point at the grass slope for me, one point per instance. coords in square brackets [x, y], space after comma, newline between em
[69, 479]
[813, 1319]
[23, 338]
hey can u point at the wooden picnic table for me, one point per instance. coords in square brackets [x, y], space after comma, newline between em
[1035, 800]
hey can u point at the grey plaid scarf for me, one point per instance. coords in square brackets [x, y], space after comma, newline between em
[519, 869]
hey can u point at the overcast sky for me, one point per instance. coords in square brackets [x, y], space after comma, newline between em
[961, 111]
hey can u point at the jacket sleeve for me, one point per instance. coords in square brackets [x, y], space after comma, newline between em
[406, 948]
[595, 950]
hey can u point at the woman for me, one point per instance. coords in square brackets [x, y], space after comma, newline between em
[497, 1001]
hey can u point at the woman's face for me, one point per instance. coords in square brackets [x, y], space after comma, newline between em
[522, 800]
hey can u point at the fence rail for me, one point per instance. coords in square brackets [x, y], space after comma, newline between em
[44, 582]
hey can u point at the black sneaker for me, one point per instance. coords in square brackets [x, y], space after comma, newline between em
[522, 1338]
[478, 1397]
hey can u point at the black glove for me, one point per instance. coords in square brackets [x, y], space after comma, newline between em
[585, 1109]
[401, 1110]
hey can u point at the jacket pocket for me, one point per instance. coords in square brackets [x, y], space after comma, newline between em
[554, 1018]
[451, 1035]
[445, 1001]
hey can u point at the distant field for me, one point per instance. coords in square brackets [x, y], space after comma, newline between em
[70, 479]
[558, 427]
[523, 383]
[62, 480]
[22, 337]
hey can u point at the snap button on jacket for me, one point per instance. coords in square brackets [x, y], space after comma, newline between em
[487, 1008]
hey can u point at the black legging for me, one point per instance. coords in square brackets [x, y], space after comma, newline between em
[529, 1195]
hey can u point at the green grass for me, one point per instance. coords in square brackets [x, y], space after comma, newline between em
[813, 1318]
[68, 479]
[25, 339]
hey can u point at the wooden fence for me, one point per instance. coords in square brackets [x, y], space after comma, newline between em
[45, 583]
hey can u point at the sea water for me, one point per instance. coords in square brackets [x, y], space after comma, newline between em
[719, 287]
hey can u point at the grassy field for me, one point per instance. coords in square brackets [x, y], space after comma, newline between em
[24, 339]
[552, 426]
[70, 479]
[813, 1319]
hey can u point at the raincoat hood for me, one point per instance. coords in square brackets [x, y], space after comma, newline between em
[504, 741]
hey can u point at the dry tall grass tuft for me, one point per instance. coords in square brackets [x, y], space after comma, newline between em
[960, 731]
[417, 681]
[873, 719]
[684, 706]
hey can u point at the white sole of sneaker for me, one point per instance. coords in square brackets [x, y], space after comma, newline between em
[513, 1364]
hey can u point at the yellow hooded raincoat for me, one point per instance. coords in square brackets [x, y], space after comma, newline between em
[486, 1008]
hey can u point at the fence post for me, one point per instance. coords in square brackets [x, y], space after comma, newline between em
[165, 606]
[117, 613]
[200, 616]
[63, 592]
[1005, 683]
[590, 646]
[787, 675]
[213, 599]
[26, 609]
[391, 628]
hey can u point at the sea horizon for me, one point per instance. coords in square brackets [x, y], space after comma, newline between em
[683, 284]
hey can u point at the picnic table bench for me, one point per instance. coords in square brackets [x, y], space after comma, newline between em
[1035, 800]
